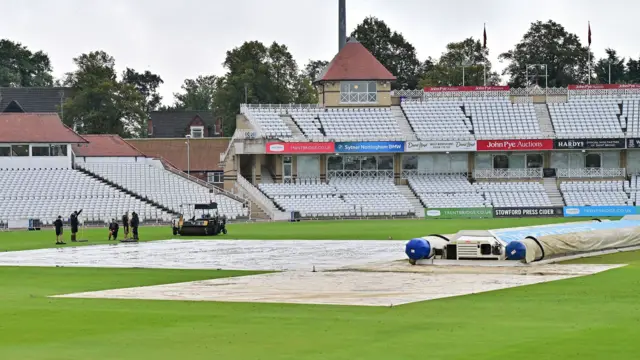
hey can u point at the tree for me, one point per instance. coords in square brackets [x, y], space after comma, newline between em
[633, 71]
[313, 68]
[463, 63]
[147, 84]
[548, 44]
[258, 74]
[19, 66]
[197, 94]
[102, 104]
[613, 62]
[392, 50]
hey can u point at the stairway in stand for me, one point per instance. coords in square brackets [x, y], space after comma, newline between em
[551, 188]
[406, 191]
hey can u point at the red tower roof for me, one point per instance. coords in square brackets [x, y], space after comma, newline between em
[354, 62]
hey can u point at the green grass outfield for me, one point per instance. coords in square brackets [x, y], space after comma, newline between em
[595, 317]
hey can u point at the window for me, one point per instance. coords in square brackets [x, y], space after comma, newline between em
[358, 92]
[19, 150]
[335, 163]
[593, 160]
[534, 161]
[385, 162]
[500, 162]
[40, 151]
[58, 150]
[5, 151]
[409, 162]
[215, 177]
[197, 132]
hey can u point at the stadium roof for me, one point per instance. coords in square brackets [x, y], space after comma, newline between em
[106, 146]
[33, 99]
[35, 128]
[204, 154]
[354, 62]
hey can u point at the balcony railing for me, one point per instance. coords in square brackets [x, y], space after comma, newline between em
[359, 98]
[409, 173]
[591, 173]
[508, 173]
[360, 173]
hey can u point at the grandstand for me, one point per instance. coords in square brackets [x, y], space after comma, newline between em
[587, 118]
[341, 197]
[595, 193]
[163, 187]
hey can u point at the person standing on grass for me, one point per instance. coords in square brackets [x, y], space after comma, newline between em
[58, 225]
[135, 221]
[113, 230]
[74, 224]
[125, 224]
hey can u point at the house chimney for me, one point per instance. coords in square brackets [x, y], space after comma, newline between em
[342, 24]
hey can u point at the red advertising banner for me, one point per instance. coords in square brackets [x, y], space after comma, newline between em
[465, 88]
[300, 147]
[604, 87]
[514, 145]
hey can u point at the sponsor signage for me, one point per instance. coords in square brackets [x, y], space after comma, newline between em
[565, 144]
[370, 147]
[595, 211]
[633, 143]
[458, 213]
[514, 145]
[440, 146]
[465, 88]
[604, 87]
[528, 212]
[300, 147]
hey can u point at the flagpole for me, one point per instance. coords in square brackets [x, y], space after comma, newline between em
[484, 46]
[589, 49]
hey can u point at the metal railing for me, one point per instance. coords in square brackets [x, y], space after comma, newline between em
[170, 167]
[360, 173]
[591, 173]
[411, 173]
[261, 199]
[508, 173]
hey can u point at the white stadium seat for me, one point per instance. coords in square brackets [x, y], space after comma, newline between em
[165, 188]
[595, 193]
[46, 193]
[341, 197]
[438, 120]
[587, 117]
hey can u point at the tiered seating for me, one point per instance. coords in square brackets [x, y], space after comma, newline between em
[269, 121]
[515, 194]
[307, 120]
[340, 198]
[372, 196]
[498, 117]
[446, 192]
[438, 120]
[595, 193]
[46, 193]
[583, 117]
[631, 116]
[164, 187]
[352, 124]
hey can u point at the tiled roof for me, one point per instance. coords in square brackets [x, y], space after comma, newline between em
[105, 146]
[175, 123]
[35, 99]
[35, 128]
[354, 62]
[204, 154]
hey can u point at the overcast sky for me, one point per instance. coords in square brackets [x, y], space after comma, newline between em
[187, 38]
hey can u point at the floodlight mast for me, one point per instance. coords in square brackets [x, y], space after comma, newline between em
[342, 24]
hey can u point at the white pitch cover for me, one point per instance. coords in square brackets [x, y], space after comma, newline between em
[440, 146]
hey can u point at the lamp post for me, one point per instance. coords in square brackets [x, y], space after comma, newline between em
[188, 142]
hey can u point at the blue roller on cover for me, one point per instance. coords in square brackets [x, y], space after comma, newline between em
[418, 248]
[516, 250]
